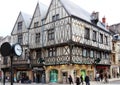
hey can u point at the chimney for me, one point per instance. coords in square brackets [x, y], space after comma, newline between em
[104, 20]
[95, 17]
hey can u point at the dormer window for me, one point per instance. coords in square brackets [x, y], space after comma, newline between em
[36, 24]
[95, 17]
[19, 25]
[55, 17]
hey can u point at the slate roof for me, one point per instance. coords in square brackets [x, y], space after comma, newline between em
[76, 10]
[27, 19]
[43, 10]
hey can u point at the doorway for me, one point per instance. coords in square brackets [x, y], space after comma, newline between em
[53, 75]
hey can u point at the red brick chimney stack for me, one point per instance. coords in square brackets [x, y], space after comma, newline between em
[104, 20]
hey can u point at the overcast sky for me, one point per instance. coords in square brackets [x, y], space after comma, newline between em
[9, 10]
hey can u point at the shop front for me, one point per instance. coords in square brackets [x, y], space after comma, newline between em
[38, 75]
[60, 73]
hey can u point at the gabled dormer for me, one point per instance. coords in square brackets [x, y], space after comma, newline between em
[20, 29]
[56, 11]
[38, 16]
[22, 23]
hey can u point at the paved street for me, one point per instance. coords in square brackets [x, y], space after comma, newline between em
[111, 82]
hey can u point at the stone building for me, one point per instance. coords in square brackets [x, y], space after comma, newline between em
[115, 55]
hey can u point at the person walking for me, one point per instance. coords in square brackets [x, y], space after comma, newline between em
[70, 79]
[77, 81]
[87, 80]
[105, 78]
[81, 79]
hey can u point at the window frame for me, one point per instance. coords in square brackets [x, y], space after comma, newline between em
[37, 38]
[20, 38]
[94, 37]
[51, 52]
[36, 24]
[87, 33]
[19, 25]
[51, 34]
[101, 38]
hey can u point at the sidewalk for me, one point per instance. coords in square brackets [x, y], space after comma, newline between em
[91, 83]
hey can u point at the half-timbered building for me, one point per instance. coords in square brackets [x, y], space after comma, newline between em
[19, 34]
[65, 40]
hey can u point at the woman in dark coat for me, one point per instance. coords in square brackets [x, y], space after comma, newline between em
[77, 81]
[70, 79]
[87, 80]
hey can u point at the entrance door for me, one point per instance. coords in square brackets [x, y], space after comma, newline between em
[53, 75]
[83, 73]
[64, 77]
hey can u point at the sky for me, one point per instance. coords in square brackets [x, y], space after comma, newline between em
[9, 11]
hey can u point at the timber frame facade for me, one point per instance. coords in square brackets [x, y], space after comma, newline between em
[68, 43]
[67, 38]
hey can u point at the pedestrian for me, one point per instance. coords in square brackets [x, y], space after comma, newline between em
[101, 77]
[77, 81]
[87, 80]
[97, 76]
[105, 78]
[81, 79]
[70, 79]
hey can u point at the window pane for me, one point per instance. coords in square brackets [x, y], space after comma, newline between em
[84, 52]
[91, 54]
[94, 35]
[87, 33]
[19, 27]
[20, 38]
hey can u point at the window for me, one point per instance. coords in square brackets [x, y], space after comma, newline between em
[36, 24]
[19, 26]
[106, 56]
[101, 55]
[91, 54]
[38, 54]
[20, 38]
[101, 38]
[51, 34]
[43, 21]
[55, 17]
[88, 53]
[26, 54]
[87, 33]
[106, 40]
[37, 38]
[84, 53]
[95, 54]
[94, 35]
[51, 52]
[98, 54]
